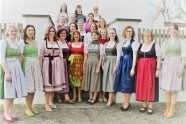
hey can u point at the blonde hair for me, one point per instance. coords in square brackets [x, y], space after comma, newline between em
[10, 27]
[125, 31]
[146, 32]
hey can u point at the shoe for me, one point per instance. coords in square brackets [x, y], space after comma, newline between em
[100, 100]
[80, 101]
[89, 101]
[35, 111]
[14, 117]
[144, 109]
[59, 99]
[92, 102]
[73, 100]
[108, 106]
[69, 101]
[29, 113]
[53, 106]
[149, 113]
[125, 109]
[48, 109]
[8, 121]
[104, 99]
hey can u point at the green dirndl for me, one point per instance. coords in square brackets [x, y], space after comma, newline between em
[1, 82]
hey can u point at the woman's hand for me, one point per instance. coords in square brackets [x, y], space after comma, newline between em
[8, 77]
[114, 70]
[157, 74]
[97, 70]
[180, 72]
[132, 72]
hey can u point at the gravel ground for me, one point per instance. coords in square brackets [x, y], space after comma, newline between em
[98, 114]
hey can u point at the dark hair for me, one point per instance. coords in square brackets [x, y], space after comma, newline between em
[61, 30]
[92, 15]
[95, 25]
[47, 33]
[96, 32]
[76, 13]
[61, 7]
[116, 37]
[72, 38]
[74, 24]
[25, 33]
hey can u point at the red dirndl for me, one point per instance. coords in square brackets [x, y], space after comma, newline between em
[145, 84]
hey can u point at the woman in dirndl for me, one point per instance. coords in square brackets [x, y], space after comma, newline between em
[109, 65]
[147, 90]
[12, 78]
[31, 68]
[52, 66]
[172, 68]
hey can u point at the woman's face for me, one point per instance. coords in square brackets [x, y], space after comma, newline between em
[147, 37]
[62, 20]
[90, 17]
[94, 36]
[102, 23]
[76, 36]
[93, 27]
[51, 32]
[12, 34]
[129, 33]
[103, 33]
[30, 32]
[79, 10]
[112, 34]
[73, 27]
[81, 24]
[173, 31]
[72, 18]
[63, 35]
[96, 11]
[64, 8]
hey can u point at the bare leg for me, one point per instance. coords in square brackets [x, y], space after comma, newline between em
[150, 106]
[172, 106]
[110, 99]
[95, 95]
[79, 94]
[67, 96]
[91, 95]
[7, 108]
[168, 102]
[125, 105]
[47, 95]
[74, 92]
[11, 107]
[31, 100]
[51, 98]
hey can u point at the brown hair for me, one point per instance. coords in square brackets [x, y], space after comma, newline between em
[72, 38]
[47, 33]
[61, 30]
[61, 7]
[88, 15]
[95, 25]
[96, 32]
[125, 31]
[145, 32]
[99, 26]
[116, 37]
[106, 32]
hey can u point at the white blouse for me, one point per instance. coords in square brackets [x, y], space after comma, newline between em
[135, 46]
[87, 38]
[63, 45]
[3, 44]
[93, 47]
[183, 48]
[157, 49]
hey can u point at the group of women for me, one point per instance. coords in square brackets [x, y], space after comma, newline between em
[90, 59]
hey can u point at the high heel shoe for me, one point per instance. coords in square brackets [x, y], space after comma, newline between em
[125, 109]
[8, 121]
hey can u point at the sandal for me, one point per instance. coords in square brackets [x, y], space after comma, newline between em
[89, 101]
[92, 102]
[29, 113]
[151, 111]
[35, 111]
[69, 101]
[143, 109]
